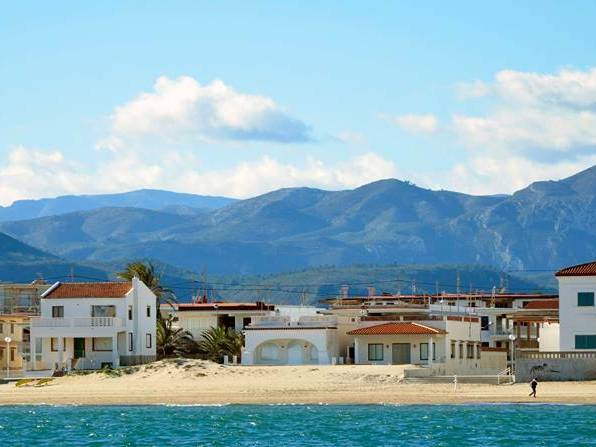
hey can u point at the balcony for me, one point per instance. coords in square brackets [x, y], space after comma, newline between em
[80, 326]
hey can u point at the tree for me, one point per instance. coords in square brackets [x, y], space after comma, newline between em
[218, 341]
[172, 341]
[146, 273]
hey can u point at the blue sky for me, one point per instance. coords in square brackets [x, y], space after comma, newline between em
[238, 98]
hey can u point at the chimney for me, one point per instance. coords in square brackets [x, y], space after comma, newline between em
[371, 291]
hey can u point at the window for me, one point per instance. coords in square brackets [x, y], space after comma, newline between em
[585, 342]
[1, 327]
[452, 350]
[12, 354]
[470, 351]
[424, 351]
[130, 340]
[1, 353]
[484, 323]
[148, 311]
[101, 344]
[375, 352]
[103, 311]
[12, 328]
[57, 311]
[148, 340]
[585, 299]
[461, 350]
[54, 344]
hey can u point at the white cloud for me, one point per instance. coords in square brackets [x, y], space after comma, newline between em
[493, 175]
[547, 112]
[418, 124]
[182, 107]
[34, 174]
[352, 138]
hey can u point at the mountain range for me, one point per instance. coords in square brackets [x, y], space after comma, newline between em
[544, 226]
[145, 198]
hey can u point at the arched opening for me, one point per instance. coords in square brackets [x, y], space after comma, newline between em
[268, 353]
[286, 352]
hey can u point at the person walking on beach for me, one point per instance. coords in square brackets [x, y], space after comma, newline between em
[534, 385]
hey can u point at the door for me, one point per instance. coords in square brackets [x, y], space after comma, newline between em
[79, 348]
[400, 353]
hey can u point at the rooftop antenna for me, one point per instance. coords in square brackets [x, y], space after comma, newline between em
[71, 273]
[493, 298]
[414, 286]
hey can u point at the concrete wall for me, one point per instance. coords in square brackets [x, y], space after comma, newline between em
[555, 369]
[575, 320]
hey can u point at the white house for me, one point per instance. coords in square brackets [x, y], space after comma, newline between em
[90, 325]
[449, 344]
[282, 340]
[577, 307]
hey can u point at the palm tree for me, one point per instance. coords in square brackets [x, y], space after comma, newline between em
[146, 273]
[219, 341]
[172, 340]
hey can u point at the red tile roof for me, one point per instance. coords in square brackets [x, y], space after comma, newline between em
[543, 304]
[400, 328]
[89, 290]
[587, 269]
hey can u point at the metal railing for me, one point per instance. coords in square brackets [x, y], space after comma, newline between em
[83, 322]
[556, 355]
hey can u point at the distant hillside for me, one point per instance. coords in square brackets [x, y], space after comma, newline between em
[21, 263]
[145, 198]
[544, 226]
[315, 284]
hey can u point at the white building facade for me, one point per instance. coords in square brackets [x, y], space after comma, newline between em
[281, 340]
[577, 307]
[92, 325]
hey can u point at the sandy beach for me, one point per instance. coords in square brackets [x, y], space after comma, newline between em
[201, 382]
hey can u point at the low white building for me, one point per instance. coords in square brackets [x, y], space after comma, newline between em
[577, 307]
[199, 317]
[449, 344]
[91, 325]
[281, 340]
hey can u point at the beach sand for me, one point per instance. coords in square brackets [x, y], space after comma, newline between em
[201, 382]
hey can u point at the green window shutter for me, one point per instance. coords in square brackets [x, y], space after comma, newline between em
[585, 299]
[585, 342]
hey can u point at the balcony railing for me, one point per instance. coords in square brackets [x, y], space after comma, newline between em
[82, 322]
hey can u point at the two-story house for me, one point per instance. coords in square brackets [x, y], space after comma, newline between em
[91, 325]
[577, 307]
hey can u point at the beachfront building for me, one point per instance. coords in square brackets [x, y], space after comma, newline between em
[291, 339]
[452, 342]
[18, 302]
[91, 325]
[198, 317]
[14, 326]
[577, 307]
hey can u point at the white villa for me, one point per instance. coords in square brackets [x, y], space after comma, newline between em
[283, 340]
[577, 307]
[91, 325]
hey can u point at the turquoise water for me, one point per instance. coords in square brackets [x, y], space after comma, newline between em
[301, 425]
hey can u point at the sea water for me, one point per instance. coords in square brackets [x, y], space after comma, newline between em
[299, 425]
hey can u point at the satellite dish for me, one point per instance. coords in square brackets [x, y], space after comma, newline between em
[8, 339]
